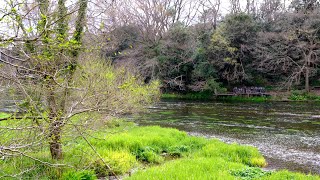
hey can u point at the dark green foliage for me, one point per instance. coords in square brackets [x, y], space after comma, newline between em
[230, 50]
[244, 49]
[240, 29]
[174, 54]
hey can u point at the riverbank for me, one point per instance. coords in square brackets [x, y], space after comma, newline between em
[126, 151]
[275, 96]
[206, 96]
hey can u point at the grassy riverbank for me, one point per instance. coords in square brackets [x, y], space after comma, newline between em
[134, 152]
[211, 96]
[188, 96]
[292, 96]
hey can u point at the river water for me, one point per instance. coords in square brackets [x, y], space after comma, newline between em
[287, 134]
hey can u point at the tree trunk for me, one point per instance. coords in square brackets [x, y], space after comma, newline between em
[307, 86]
[307, 75]
[55, 140]
[55, 124]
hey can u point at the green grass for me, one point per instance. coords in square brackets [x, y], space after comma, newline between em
[149, 142]
[290, 175]
[4, 115]
[233, 153]
[195, 168]
[152, 152]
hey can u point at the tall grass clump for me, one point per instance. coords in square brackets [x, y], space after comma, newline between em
[233, 152]
[148, 143]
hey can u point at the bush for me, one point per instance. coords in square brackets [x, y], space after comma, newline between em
[214, 86]
[303, 96]
[250, 173]
[298, 96]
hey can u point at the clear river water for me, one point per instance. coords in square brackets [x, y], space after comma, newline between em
[287, 134]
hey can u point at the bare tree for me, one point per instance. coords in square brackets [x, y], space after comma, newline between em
[153, 17]
[210, 12]
[294, 51]
[56, 76]
[270, 10]
[235, 6]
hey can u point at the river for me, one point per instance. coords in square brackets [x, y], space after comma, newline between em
[287, 134]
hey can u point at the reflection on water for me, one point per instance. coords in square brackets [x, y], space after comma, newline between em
[288, 134]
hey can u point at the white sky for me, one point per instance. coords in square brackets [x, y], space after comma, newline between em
[225, 4]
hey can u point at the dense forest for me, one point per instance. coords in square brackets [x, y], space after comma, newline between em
[269, 43]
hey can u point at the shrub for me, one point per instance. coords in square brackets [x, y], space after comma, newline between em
[298, 96]
[213, 86]
[250, 173]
